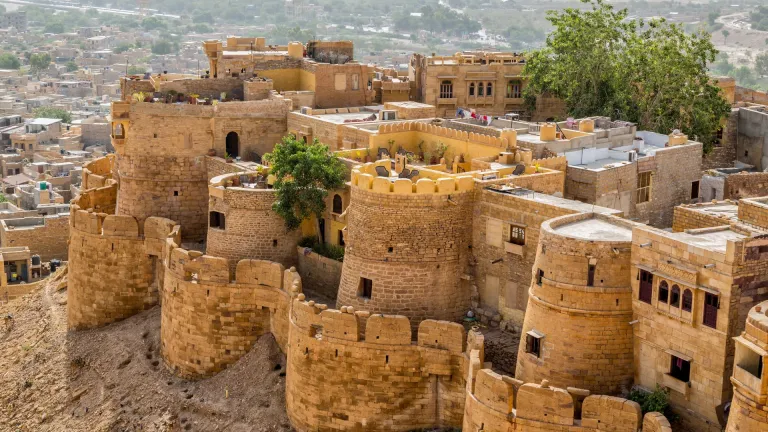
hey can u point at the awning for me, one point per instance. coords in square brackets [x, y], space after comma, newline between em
[535, 333]
[679, 355]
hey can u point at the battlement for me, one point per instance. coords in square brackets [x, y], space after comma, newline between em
[97, 172]
[380, 329]
[364, 177]
[99, 199]
[501, 403]
[274, 107]
[441, 131]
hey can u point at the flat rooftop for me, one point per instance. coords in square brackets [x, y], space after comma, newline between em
[595, 229]
[552, 200]
[602, 164]
[729, 210]
[716, 241]
[340, 118]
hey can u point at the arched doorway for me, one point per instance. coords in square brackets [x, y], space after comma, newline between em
[233, 145]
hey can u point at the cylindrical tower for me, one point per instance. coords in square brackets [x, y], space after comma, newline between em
[749, 408]
[577, 331]
[161, 164]
[242, 225]
[406, 246]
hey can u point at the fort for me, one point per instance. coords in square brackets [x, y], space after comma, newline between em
[452, 229]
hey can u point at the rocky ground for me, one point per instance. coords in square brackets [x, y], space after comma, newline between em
[113, 378]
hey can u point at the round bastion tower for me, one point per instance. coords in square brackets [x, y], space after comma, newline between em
[749, 408]
[161, 165]
[577, 331]
[242, 225]
[406, 246]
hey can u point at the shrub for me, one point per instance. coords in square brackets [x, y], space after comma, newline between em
[333, 252]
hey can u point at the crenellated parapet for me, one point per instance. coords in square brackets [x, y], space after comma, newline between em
[113, 272]
[343, 378]
[503, 404]
[441, 131]
[407, 240]
[98, 172]
[211, 316]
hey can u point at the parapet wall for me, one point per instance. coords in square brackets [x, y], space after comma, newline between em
[113, 272]
[97, 172]
[251, 229]
[583, 328]
[503, 404]
[688, 217]
[754, 212]
[418, 126]
[210, 319]
[411, 246]
[745, 185]
[339, 380]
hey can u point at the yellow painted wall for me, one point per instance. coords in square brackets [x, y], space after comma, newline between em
[283, 79]
[306, 80]
[410, 140]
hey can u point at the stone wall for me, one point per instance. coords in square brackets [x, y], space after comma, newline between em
[205, 88]
[724, 154]
[754, 212]
[210, 320]
[252, 229]
[752, 140]
[586, 337]
[113, 262]
[338, 379]
[320, 274]
[162, 161]
[500, 403]
[688, 217]
[45, 236]
[745, 185]
[744, 94]
[411, 242]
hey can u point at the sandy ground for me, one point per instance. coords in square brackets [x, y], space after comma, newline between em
[113, 379]
[742, 44]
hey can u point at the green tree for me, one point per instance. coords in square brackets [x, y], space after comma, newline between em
[651, 73]
[304, 175]
[55, 28]
[136, 70]
[153, 23]
[72, 66]
[725, 33]
[51, 112]
[761, 64]
[162, 47]
[39, 62]
[9, 61]
[121, 48]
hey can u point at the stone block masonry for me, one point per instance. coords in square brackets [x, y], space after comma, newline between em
[45, 236]
[320, 274]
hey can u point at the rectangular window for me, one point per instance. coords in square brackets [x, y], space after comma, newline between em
[539, 276]
[695, 190]
[591, 275]
[341, 238]
[516, 235]
[355, 82]
[514, 90]
[643, 187]
[680, 369]
[217, 220]
[446, 89]
[365, 290]
[533, 344]
[646, 286]
[340, 82]
[711, 304]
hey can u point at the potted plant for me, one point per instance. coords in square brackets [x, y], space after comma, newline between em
[211, 152]
[236, 181]
[228, 157]
[421, 150]
[461, 158]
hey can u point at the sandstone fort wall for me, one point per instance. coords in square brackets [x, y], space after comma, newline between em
[251, 229]
[586, 339]
[411, 241]
[339, 380]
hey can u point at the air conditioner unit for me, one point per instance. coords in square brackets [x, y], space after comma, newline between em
[389, 115]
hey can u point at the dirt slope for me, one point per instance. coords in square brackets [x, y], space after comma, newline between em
[113, 379]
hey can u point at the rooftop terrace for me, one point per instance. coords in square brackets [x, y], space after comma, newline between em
[595, 229]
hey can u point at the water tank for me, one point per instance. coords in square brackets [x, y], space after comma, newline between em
[35, 260]
[43, 186]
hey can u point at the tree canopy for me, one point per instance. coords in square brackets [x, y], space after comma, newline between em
[304, 175]
[652, 73]
[9, 61]
[51, 112]
[39, 62]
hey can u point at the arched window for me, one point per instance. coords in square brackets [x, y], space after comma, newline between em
[489, 90]
[663, 292]
[471, 89]
[233, 145]
[446, 89]
[480, 89]
[674, 299]
[687, 300]
[337, 204]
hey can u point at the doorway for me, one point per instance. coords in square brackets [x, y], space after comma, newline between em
[233, 145]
